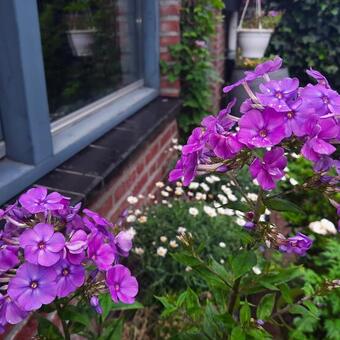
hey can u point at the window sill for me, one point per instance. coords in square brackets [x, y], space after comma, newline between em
[16, 176]
[89, 169]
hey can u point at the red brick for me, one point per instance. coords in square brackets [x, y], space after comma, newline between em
[169, 26]
[166, 41]
[106, 207]
[170, 10]
[140, 185]
[151, 153]
[166, 56]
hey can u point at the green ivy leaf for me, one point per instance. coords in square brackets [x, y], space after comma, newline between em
[265, 307]
[243, 262]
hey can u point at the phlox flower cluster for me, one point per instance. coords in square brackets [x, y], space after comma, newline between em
[49, 249]
[275, 124]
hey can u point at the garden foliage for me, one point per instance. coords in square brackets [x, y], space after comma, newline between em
[309, 34]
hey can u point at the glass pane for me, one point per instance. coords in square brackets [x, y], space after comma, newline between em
[90, 50]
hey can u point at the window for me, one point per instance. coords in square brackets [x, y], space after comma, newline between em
[57, 96]
[90, 50]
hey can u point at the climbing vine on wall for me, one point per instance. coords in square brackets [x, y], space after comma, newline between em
[192, 60]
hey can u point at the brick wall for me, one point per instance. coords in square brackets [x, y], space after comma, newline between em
[217, 48]
[146, 166]
[169, 35]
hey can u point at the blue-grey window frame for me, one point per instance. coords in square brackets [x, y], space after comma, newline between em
[31, 149]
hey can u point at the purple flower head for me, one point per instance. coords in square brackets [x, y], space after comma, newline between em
[123, 287]
[36, 200]
[319, 133]
[220, 123]
[123, 242]
[33, 286]
[296, 118]
[264, 68]
[246, 106]
[8, 257]
[10, 312]
[95, 220]
[196, 141]
[69, 277]
[269, 170]
[100, 251]
[321, 79]
[323, 100]
[68, 213]
[323, 164]
[185, 169]
[225, 145]
[261, 129]
[260, 70]
[75, 247]
[298, 244]
[276, 93]
[94, 302]
[42, 245]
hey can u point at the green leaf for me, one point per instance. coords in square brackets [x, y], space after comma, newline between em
[280, 204]
[311, 307]
[47, 330]
[237, 334]
[265, 307]
[245, 314]
[240, 206]
[243, 262]
[186, 258]
[113, 331]
[72, 313]
[268, 285]
[286, 293]
[298, 309]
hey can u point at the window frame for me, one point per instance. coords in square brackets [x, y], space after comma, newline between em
[34, 145]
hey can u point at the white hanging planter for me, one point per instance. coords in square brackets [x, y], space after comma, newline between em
[253, 41]
[81, 41]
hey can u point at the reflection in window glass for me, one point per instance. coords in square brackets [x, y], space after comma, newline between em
[90, 49]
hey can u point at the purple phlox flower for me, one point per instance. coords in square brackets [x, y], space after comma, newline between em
[264, 68]
[200, 43]
[225, 145]
[220, 123]
[94, 221]
[273, 13]
[319, 133]
[77, 223]
[123, 287]
[33, 286]
[323, 164]
[36, 200]
[68, 212]
[323, 100]
[276, 93]
[298, 244]
[69, 277]
[196, 141]
[123, 242]
[249, 225]
[42, 245]
[10, 312]
[246, 106]
[94, 302]
[260, 70]
[296, 117]
[269, 170]
[101, 252]
[75, 247]
[261, 129]
[185, 169]
[321, 79]
[8, 257]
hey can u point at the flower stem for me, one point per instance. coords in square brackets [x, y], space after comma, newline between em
[233, 295]
[63, 322]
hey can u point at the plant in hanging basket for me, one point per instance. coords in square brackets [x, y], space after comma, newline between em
[254, 31]
[81, 27]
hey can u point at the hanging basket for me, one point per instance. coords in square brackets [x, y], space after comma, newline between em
[81, 41]
[253, 41]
